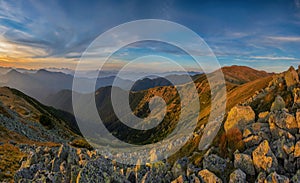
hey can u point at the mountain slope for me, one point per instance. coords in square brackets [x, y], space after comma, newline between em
[19, 106]
[242, 74]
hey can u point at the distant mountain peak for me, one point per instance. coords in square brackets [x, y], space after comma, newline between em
[13, 72]
[43, 71]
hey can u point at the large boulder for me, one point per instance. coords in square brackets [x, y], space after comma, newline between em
[244, 162]
[239, 117]
[283, 120]
[291, 77]
[208, 176]
[278, 104]
[263, 158]
[237, 176]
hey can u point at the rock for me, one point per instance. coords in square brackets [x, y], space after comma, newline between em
[180, 179]
[208, 176]
[296, 177]
[291, 77]
[297, 150]
[246, 133]
[214, 163]
[12, 142]
[263, 116]
[296, 95]
[256, 128]
[298, 118]
[96, 171]
[132, 177]
[239, 117]
[194, 179]
[237, 176]
[180, 167]
[63, 152]
[274, 177]
[151, 177]
[263, 158]
[244, 162]
[289, 164]
[278, 104]
[284, 121]
[252, 140]
[261, 177]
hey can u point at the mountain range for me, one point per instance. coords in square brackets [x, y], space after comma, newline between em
[258, 139]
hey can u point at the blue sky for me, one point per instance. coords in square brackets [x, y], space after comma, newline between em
[261, 34]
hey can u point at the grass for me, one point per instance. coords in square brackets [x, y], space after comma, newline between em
[81, 143]
[10, 157]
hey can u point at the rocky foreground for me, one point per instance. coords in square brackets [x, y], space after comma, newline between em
[260, 142]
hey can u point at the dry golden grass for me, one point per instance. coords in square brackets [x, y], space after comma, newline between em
[19, 105]
[81, 143]
[10, 157]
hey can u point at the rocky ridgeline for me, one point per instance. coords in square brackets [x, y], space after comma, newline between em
[271, 151]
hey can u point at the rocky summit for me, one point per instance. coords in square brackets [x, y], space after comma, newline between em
[259, 141]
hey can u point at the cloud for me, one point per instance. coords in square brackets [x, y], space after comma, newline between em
[285, 38]
[273, 58]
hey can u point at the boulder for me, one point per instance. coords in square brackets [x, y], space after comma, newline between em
[263, 158]
[237, 176]
[291, 77]
[180, 167]
[261, 177]
[180, 179]
[214, 163]
[298, 118]
[297, 150]
[194, 179]
[252, 140]
[239, 117]
[296, 177]
[208, 176]
[274, 177]
[244, 162]
[246, 133]
[263, 116]
[283, 120]
[296, 95]
[278, 104]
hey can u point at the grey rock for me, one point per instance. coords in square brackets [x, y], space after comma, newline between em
[237, 176]
[244, 162]
[274, 177]
[208, 176]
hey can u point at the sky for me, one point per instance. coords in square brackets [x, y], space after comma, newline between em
[40, 34]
